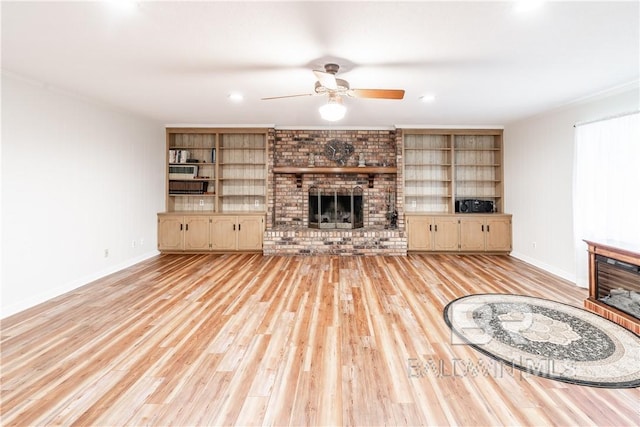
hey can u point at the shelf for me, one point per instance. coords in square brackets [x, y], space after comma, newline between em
[194, 180]
[365, 170]
[241, 179]
[192, 194]
[428, 149]
[427, 164]
[477, 165]
[476, 149]
[426, 180]
[336, 170]
[429, 196]
[193, 164]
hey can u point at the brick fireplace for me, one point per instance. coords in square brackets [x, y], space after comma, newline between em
[298, 167]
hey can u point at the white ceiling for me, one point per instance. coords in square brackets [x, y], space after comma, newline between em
[177, 62]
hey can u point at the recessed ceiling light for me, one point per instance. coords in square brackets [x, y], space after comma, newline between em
[427, 98]
[525, 6]
[126, 7]
[236, 97]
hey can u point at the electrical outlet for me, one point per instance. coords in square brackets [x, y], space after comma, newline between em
[133, 243]
[534, 244]
[106, 253]
[257, 203]
[413, 203]
[201, 202]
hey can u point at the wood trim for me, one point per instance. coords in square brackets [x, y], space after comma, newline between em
[452, 132]
[335, 170]
[609, 250]
[197, 130]
[613, 314]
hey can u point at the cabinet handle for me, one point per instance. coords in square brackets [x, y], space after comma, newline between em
[234, 227]
[181, 227]
[186, 227]
[487, 228]
[482, 227]
[430, 227]
[436, 227]
[239, 225]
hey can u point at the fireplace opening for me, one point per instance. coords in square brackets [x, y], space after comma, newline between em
[335, 208]
[618, 284]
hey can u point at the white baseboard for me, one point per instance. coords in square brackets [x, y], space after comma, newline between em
[571, 277]
[68, 287]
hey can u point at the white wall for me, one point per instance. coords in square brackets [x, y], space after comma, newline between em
[538, 158]
[77, 178]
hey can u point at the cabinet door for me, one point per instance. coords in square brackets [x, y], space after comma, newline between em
[419, 234]
[446, 234]
[498, 234]
[250, 232]
[472, 234]
[196, 233]
[224, 233]
[170, 233]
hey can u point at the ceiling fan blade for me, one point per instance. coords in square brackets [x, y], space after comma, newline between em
[377, 93]
[286, 96]
[327, 80]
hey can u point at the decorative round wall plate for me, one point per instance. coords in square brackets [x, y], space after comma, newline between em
[338, 151]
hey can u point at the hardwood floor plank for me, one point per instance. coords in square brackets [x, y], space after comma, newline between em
[242, 339]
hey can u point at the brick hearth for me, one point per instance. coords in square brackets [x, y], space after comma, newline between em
[287, 229]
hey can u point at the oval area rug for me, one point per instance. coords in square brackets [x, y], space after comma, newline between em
[547, 338]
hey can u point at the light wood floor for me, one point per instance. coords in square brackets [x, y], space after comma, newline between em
[252, 340]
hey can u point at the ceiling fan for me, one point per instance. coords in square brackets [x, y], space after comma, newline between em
[329, 84]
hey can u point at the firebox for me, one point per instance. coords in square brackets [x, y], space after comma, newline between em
[335, 208]
[618, 284]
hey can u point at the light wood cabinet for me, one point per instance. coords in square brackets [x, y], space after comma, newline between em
[485, 233]
[242, 171]
[432, 233]
[472, 234]
[444, 166]
[250, 232]
[223, 233]
[170, 233]
[214, 177]
[242, 233]
[183, 233]
[427, 173]
[216, 170]
[498, 234]
[205, 233]
[459, 233]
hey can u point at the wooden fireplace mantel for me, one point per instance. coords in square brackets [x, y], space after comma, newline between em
[371, 171]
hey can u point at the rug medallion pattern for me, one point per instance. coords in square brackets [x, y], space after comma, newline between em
[547, 338]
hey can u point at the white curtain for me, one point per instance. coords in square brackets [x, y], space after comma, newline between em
[606, 187]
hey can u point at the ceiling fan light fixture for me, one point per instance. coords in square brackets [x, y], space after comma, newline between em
[333, 110]
[236, 97]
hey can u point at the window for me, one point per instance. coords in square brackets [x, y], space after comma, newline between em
[606, 189]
